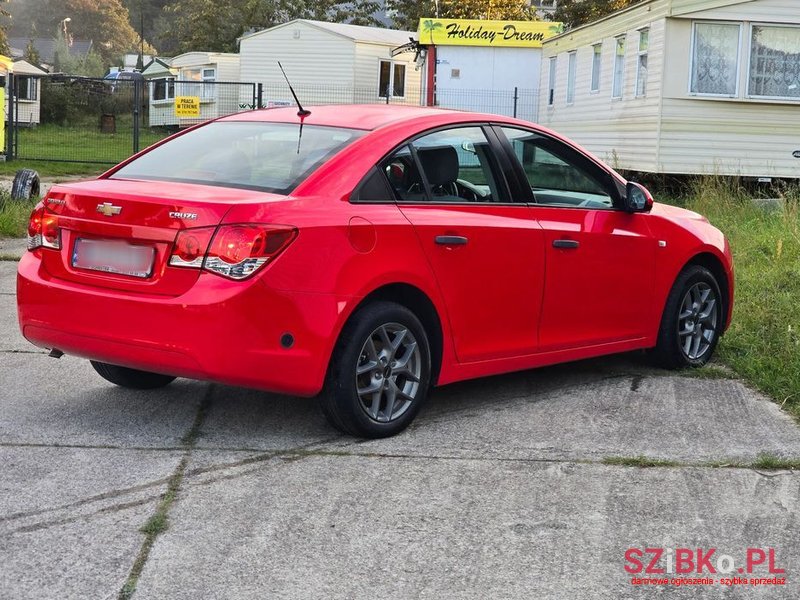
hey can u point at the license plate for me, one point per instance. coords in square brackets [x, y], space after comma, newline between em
[116, 257]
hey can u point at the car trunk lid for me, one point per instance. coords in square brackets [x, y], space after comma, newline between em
[119, 234]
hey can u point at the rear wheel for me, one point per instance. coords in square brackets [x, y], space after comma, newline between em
[380, 372]
[692, 321]
[131, 378]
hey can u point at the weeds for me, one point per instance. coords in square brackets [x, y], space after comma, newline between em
[763, 342]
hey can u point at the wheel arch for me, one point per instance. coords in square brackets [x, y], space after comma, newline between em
[418, 302]
[714, 264]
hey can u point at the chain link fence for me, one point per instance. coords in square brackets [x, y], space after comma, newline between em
[104, 121]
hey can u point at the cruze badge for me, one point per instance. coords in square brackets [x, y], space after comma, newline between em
[108, 209]
[182, 215]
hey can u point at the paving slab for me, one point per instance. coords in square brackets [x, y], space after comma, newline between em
[64, 402]
[70, 518]
[591, 417]
[10, 337]
[238, 418]
[8, 276]
[386, 527]
[15, 247]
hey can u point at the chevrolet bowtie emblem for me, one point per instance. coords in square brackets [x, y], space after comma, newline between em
[108, 209]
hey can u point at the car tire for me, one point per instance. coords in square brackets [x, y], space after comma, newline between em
[131, 378]
[692, 322]
[26, 185]
[380, 372]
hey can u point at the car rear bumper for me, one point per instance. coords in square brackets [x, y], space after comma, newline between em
[219, 330]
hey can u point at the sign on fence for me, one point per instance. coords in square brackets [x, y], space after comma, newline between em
[187, 106]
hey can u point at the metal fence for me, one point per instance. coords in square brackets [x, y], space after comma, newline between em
[104, 121]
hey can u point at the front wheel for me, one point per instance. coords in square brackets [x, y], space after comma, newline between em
[131, 378]
[380, 372]
[692, 321]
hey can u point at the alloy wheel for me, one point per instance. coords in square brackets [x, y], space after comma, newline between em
[697, 321]
[388, 372]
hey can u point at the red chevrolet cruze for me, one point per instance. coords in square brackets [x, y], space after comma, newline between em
[369, 255]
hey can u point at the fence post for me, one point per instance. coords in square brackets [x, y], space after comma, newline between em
[516, 98]
[259, 100]
[137, 101]
[12, 122]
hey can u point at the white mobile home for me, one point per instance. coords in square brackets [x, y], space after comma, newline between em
[28, 82]
[682, 86]
[331, 63]
[212, 76]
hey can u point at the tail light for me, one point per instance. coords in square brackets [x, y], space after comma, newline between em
[43, 231]
[233, 251]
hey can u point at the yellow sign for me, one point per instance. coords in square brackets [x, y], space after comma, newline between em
[187, 106]
[464, 32]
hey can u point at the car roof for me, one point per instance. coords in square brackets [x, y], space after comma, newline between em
[357, 116]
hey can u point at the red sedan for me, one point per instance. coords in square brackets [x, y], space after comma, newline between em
[369, 255]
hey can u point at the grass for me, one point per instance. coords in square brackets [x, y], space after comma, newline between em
[13, 216]
[763, 342]
[768, 462]
[642, 462]
[51, 169]
[764, 462]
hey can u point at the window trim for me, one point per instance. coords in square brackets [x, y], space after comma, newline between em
[31, 83]
[203, 82]
[639, 54]
[738, 24]
[167, 98]
[392, 64]
[624, 39]
[551, 81]
[599, 57]
[748, 95]
[572, 75]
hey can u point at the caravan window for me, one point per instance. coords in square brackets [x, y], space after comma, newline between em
[774, 62]
[715, 59]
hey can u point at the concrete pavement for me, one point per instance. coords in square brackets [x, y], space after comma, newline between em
[500, 489]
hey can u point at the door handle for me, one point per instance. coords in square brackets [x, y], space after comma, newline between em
[566, 244]
[450, 240]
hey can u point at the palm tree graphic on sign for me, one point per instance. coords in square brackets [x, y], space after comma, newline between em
[430, 26]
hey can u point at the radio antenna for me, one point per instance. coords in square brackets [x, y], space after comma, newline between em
[301, 112]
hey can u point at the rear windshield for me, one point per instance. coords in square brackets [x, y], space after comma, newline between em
[243, 154]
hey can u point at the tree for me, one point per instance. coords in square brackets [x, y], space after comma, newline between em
[579, 12]
[215, 25]
[32, 54]
[105, 22]
[90, 65]
[4, 15]
[409, 12]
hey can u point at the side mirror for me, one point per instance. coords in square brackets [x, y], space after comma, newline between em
[469, 147]
[637, 198]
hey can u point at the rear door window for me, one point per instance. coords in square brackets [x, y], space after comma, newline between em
[453, 165]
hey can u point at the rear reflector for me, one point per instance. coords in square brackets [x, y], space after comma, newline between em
[233, 251]
[43, 231]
